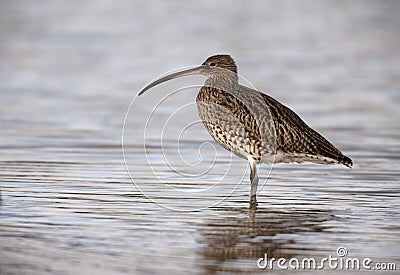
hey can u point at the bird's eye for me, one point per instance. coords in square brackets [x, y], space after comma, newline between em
[212, 64]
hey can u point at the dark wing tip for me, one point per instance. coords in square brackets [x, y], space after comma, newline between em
[346, 161]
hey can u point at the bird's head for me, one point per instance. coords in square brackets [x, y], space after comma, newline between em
[223, 61]
[216, 65]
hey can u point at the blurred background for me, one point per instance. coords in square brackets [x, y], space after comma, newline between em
[68, 71]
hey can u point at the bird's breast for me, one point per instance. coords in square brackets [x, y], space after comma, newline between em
[230, 123]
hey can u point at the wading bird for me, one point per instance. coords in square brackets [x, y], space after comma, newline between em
[251, 124]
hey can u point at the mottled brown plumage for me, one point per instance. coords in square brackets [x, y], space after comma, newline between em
[252, 124]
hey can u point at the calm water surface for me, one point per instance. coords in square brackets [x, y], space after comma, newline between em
[67, 74]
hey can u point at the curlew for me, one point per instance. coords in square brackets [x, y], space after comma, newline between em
[251, 124]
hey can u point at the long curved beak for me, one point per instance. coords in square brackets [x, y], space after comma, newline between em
[187, 72]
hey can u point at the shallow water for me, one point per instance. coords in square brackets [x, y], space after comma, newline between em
[68, 73]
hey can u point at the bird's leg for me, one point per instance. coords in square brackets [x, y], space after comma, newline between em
[254, 182]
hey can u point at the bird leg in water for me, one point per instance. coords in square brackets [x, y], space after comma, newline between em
[254, 181]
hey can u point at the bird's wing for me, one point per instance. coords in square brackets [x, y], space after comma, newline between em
[294, 136]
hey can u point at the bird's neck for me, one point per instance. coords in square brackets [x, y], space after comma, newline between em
[222, 81]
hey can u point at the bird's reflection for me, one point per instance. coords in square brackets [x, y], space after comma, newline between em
[247, 234]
